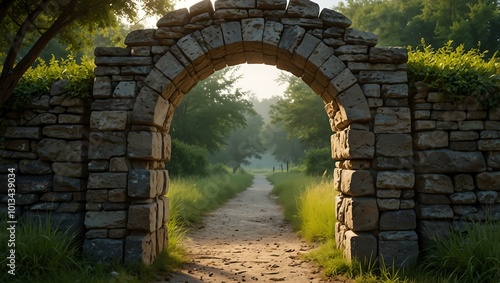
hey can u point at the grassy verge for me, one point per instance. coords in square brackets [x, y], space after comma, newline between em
[45, 255]
[472, 256]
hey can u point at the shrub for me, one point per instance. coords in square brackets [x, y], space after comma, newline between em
[187, 160]
[38, 80]
[456, 73]
[317, 161]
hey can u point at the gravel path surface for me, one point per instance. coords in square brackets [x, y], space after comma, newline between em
[247, 240]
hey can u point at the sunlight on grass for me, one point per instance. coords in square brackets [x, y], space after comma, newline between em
[46, 255]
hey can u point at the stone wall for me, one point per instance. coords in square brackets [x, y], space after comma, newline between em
[46, 144]
[405, 164]
[457, 162]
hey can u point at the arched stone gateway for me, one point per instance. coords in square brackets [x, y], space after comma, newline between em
[138, 88]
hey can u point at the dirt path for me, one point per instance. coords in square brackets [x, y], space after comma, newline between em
[247, 240]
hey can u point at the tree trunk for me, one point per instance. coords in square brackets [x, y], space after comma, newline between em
[8, 84]
[11, 75]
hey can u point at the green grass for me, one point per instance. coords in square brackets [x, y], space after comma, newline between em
[45, 255]
[472, 256]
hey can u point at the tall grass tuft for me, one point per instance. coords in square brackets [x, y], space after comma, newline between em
[471, 256]
[317, 211]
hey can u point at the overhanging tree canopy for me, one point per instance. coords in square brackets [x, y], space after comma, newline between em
[27, 26]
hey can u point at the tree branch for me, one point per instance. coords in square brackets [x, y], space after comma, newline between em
[4, 7]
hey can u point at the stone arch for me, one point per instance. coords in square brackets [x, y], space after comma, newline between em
[364, 89]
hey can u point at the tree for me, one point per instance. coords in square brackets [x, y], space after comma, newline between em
[243, 144]
[406, 22]
[210, 111]
[302, 113]
[27, 27]
[284, 149]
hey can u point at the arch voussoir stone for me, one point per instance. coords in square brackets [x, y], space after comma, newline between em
[338, 63]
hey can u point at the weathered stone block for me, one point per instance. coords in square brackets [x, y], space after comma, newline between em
[68, 184]
[150, 108]
[271, 4]
[125, 89]
[394, 145]
[143, 183]
[107, 180]
[354, 36]
[353, 144]
[305, 49]
[431, 139]
[27, 184]
[106, 219]
[178, 17]
[396, 55]
[145, 145]
[392, 120]
[488, 145]
[138, 248]
[362, 214]
[388, 193]
[69, 169]
[289, 41]
[142, 217]
[395, 180]
[353, 105]
[463, 182]
[432, 199]
[106, 250]
[104, 145]
[357, 183]
[271, 37]
[36, 167]
[399, 253]
[23, 133]
[108, 120]
[448, 161]
[360, 246]
[302, 9]
[487, 197]
[433, 184]
[383, 77]
[398, 220]
[332, 18]
[463, 198]
[60, 150]
[65, 131]
[385, 204]
[488, 181]
[435, 211]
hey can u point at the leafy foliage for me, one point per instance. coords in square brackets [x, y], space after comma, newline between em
[38, 80]
[405, 22]
[187, 160]
[242, 144]
[456, 72]
[302, 113]
[27, 27]
[210, 111]
[318, 161]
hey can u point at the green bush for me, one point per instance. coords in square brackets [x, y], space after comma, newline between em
[187, 160]
[317, 161]
[456, 73]
[38, 80]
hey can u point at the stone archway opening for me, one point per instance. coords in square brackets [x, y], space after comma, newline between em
[364, 89]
